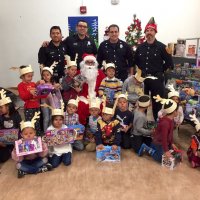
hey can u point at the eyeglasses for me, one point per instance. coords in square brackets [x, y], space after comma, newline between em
[82, 26]
[87, 62]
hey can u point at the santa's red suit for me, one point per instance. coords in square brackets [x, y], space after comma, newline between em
[83, 107]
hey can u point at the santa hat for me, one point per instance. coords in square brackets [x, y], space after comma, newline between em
[109, 65]
[169, 110]
[70, 62]
[88, 57]
[50, 69]
[4, 99]
[173, 92]
[151, 24]
[73, 101]
[139, 78]
[144, 101]
[196, 121]
[31, 124]
[94, 102]
[56, 111]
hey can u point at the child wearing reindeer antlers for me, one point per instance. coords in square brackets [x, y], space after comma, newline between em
[32, 163]
[69, 86]
[47, 76]
[163, 138]
[63, 152]
[193, 151]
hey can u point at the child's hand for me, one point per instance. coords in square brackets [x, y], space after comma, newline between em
[168, 154]
[100, 147]
[78, 89]
[57, 86]
[114, 147]
[124, 128]
[41, 82]
[33, 91]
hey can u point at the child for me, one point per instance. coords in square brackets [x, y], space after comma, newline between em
[9, 119]
[108, 130]
[193, 150]
[126, 120]
[32, 163]
[133, 85]
[60, 153]
[141, 134]
[174, 95]
[110, 86]
[47, 76]
[70, 89]
[27, 92]
[94, 109]
[72, 118]
[163, 138]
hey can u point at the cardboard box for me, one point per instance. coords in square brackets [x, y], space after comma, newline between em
[26, 147]
[9, 136]
[108, 155]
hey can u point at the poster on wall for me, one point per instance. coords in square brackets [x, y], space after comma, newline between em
[92, 26]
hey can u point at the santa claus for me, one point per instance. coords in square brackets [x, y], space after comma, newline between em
[94, 76]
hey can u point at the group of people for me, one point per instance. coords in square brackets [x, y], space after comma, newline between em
[92, 88]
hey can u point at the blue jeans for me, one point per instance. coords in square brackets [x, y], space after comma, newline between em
[158, 153]
[78, 145]
[66, 158]
[46, 117]
[32, 166]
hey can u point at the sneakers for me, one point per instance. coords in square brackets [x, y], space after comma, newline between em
[146, 148]
[20, 173]
[45, 168]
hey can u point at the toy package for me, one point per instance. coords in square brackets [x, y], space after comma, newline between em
[44, 89]
[9, 136]
[79, 129]
[78, 81]
[26, 147]
[172, 162]
[108, 155]
[63, 136]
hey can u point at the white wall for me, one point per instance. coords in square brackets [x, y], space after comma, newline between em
[26, 23]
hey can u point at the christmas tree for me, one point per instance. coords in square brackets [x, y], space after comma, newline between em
[134, 35]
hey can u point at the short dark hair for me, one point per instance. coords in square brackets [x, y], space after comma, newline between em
[23, 66]
[55, 27]
[113, 26]
[81, 20]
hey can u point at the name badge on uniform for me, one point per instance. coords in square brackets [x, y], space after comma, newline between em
[75, 44]
[89, 43]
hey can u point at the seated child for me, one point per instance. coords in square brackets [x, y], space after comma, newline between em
[141, 134]
[94, 109]
[72, 118]
[125, 118]
[110, 86]
[194, 149]
[108, 130]
[70, 89]
[32, 163]
[59, 153]
[163, 139]
[9, 119]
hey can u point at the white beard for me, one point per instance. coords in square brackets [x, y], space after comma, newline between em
[90, 73]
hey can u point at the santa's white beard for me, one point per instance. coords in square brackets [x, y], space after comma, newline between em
[90, 73]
